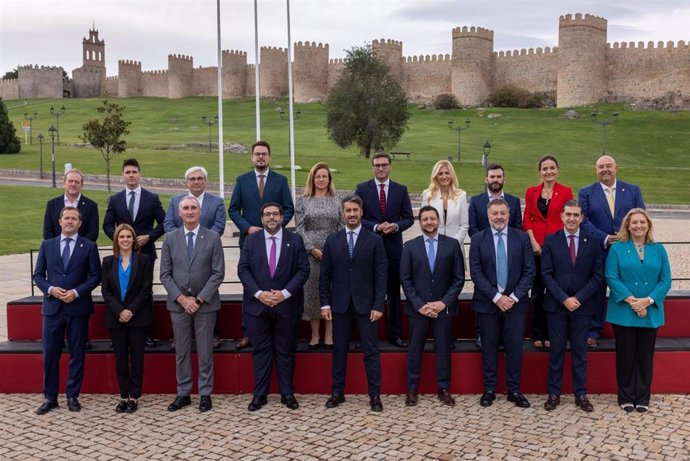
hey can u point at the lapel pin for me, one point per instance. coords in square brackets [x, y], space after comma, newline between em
[622, 190]
[287, 245]
[584, 240]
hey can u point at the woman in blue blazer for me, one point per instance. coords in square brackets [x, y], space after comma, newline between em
[639, 276]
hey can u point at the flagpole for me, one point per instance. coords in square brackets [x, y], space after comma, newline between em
[256, 72]
[290, 111]
[221, 175]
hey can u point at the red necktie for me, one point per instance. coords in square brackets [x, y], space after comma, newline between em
[262, 185]
[382, 199]
[571, 247]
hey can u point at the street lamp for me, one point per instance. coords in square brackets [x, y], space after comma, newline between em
[51, 132]
[210, 123]
[281, 113]
[57, 113]
[604, 124]
[485, 161]
[459, 130]
[31, 119]
[40, 138]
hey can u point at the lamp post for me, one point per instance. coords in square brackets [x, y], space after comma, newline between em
[459, 129]
[31, 119]
[51, 132]
[210, 123]
[604, 123]
[485, 161]
[57, 113]
[40, 138]
[281, 114]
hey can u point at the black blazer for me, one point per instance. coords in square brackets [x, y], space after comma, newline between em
[139, 296]
[479, 219]
[89, 218]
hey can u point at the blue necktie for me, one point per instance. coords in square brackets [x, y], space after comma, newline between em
[501, 262]
[65, 253]
[351, 243]
[190, 244]
[431, 254]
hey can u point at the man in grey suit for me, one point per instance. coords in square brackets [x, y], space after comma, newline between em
[192, 269]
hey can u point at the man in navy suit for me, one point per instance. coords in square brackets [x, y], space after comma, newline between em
[352, 289]
[67, 271]
[572, 267]
[73, 183]
[432, 272]
[273, 268]
[388, 212]
[253, 190]
[212, 206]
[139, 208]
[604, 205]
[502, 273]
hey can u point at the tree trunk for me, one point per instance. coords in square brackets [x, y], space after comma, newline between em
[107, 174]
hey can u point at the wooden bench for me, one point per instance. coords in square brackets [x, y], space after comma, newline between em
[407, 154]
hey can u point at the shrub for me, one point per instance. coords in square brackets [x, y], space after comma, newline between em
[446, 101]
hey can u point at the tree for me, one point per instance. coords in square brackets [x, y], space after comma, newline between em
[9, 141]
[366, 106]
[104, 134]
[11, 74]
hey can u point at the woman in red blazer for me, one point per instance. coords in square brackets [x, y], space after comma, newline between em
[542, 216]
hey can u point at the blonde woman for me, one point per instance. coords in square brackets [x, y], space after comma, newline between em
[449, 200]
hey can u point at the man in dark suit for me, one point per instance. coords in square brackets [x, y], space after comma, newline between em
[503, 273]
[273, 268]
[432, 272]
[67, 271]
[73, 183]
[572, 267]
[192, 269]
[212, 206]
[253, 190]
[139, 208]
[604, 205]
[352, 289]
[388, 212]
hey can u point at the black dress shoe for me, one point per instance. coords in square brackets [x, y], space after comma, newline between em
[335, 400]
[289, 401]
[445, 398]
[243, 344]
[628, 407]
[411, 399]
[121, 406]
[398, 343]
[257, 402]
[487, 399]
[314, 347]
[375, 404]
[328, 347]
[150, 342]
[46, 406]
[132, 406]
[518, 399]
[73, 404]
[205, 403]
[552, 401]
[180, 402]
[583, 403]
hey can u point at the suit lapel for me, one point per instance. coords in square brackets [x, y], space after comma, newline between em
[357, 244]
[134, 266]
[115, 276]
[284, 252]
[76, 251]
[601, 197]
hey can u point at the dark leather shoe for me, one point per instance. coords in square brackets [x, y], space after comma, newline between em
[518, 399]
[205, 403]
[628, 407]
[412, 398]
[46, 406]
[180, 402]
[583, 403]
[132, 406]
[552, 401]
[335, 400]
[375, 404]
[243, 344]
[217, 342]
[150, 342]
[446, 398]
[121, 406]
[640, 408]
[257, 402]
[73, 404]
[398, 343]
[487, 399]
[289, 401]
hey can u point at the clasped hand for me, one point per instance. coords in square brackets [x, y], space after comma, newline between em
[432, 309]
[189, 304]
[505, 303]
[66, 296]
[271, 298]
[639, 305]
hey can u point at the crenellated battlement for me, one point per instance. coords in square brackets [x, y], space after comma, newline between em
[427, 58]
[337, 61]
[387, 43]
[273, 49]
[527, 52]
[670, 45]
[155, 72]
[321, 46]
[180, 57]
[579, 20]
[234, 53]
[112, 78]
[473, 32]
[36, 67]
[129, 63]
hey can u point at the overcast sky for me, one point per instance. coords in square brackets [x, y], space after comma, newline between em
[50, 32]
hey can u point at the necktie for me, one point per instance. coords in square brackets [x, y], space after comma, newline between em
[351, 243]
[272, 257]
[130, 207]
[431, 254]
[610, 199]
[382, 199]
[571, 247]
[262, 185]
[501, 262]
[190, 244]
[65, 253]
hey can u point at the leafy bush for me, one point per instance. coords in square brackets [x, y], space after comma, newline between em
[446, 101]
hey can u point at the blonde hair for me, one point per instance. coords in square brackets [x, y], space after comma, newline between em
[624, 232]
[433, 190]
[309, 189]
[120, 228]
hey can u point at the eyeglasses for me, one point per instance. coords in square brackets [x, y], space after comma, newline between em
[196, 179]
[381, 166]
[268, 214]
[261, 154]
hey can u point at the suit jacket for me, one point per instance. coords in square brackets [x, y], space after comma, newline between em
[598, 219]
[212, 213]
[421, 285]
[521, 270]
[457, 221]
[291, 273]
[534, 220]
[245, 203]
[139, 295]
[398, 211]
[360, 280]
[89, 218]
[199, 277]
[479, 219]
[83, 273]
[562, 279]
[150, 210]
[627, 276]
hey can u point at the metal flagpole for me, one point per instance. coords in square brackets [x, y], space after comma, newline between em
[291, 119]
[221, 175]
[256, 72]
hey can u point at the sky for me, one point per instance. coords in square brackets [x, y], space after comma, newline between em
[50, 32]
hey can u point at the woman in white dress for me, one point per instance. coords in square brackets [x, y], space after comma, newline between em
[450, 201]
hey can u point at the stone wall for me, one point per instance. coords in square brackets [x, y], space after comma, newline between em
[427, 76]
[310, 71]
[154, 83]
[473, 64]
[205, 81]
[129, 78]
[235, 74]
[273, 72]
[40, 82]
[533, 70]
[9, 88]
[87, 82]
[110, 87]
[180, 76]
[390, 52]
